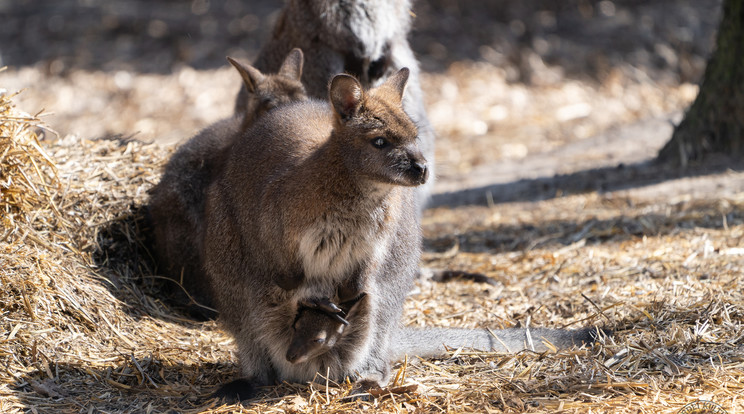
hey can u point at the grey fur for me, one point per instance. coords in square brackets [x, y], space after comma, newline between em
[434, 342]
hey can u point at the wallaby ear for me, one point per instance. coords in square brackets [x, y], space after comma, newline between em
[292, 65]
[346, 95]
[251, 76]
[398, 82]
[355, 303]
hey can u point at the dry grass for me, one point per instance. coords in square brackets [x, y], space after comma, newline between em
[83, 329]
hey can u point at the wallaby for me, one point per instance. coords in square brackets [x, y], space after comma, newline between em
[365, 38]
[316, 331]
[176, 203]
[319, 325]
[318, 200]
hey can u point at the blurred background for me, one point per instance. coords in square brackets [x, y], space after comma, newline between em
[515, 88]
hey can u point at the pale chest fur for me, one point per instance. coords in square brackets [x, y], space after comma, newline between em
[337, 243]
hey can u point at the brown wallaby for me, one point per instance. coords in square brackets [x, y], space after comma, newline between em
[176, 203]
[318, 200]
[365, 38]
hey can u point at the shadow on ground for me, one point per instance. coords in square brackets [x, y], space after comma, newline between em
[601, 180]
[136, 386]
[124, 255]
[554, 234]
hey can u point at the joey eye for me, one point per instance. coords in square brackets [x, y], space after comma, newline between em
[379, 142]
[319, 341]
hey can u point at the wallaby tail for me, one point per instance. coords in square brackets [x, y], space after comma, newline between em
[434, 342]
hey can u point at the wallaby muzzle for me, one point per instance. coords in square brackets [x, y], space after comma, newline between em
[419, 172]
[415, 170]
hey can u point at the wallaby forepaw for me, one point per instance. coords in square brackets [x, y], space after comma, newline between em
[326, 306]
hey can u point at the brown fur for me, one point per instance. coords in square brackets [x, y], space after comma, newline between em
[177, 202]
[266, 92]
[315, 332]
[307, 206]
[365, 38]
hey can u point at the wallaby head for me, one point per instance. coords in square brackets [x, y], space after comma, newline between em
[316, 331]
[378, 140]
[267, 91]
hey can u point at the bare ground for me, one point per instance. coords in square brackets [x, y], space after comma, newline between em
[548, 115]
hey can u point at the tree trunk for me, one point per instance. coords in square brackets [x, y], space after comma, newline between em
[715, 121]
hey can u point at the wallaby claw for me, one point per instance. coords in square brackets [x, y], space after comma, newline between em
[339, 318]
[321, 304]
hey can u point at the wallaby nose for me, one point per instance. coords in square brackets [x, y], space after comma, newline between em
[421, 171]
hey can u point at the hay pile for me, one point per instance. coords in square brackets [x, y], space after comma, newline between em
[77, 330]
[84, 330]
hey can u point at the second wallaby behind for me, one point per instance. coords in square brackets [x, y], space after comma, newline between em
[176, 204]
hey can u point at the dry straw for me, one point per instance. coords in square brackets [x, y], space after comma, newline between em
[84, 328]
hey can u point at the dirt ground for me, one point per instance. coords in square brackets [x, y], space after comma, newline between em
[547, 117]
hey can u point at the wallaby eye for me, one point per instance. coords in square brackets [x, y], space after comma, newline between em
[319, 341]
[379, 142]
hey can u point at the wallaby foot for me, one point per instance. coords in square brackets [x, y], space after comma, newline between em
[360, 390]
[236, 391]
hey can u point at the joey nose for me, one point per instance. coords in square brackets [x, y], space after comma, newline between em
[295, 356]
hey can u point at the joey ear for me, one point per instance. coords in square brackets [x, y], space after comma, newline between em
[398, 82]
[251, 76]
[354, 303]
[292, 65]
[346, 95]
